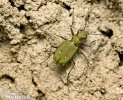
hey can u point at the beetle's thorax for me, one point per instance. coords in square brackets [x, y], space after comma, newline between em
[79, 38]
[76, 40]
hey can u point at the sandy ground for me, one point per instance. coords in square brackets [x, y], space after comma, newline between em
[29, 31]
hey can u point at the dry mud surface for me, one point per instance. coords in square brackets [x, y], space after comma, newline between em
[31, 29]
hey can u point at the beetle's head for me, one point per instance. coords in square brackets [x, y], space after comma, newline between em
[82, 35]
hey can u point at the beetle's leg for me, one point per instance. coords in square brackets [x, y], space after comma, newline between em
[47, 57]
[71, 29]
[81, 52]
[105, 32]
[93, 42]
[88, 64]
[82, 44]
[49, 54]
[73, 64]
[62, 37]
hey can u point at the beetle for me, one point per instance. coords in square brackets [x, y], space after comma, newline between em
[68, 48]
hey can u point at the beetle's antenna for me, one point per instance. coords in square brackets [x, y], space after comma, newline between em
[86, 20]
[71, 26]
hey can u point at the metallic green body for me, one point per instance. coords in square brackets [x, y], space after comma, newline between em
[68, 48]
[65, 52]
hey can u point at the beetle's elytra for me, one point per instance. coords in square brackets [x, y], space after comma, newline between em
[68, 48]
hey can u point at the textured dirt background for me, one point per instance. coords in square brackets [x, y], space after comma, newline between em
[29, 29]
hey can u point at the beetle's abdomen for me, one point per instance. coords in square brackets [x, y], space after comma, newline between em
[65, 52]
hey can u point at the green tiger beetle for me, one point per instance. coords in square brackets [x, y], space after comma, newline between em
[66, 51]
[68, 48]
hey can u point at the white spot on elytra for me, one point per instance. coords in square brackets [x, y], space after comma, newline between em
[60, 52]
